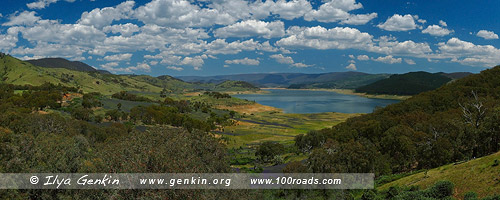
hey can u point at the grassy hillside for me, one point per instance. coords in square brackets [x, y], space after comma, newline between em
[15, 71]
[410, 83]
[480, 175]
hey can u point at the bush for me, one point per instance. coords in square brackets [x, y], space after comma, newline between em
[470, 196]
[441, 189]
[369, 195]
[495, 163]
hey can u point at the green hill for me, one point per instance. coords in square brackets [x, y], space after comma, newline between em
[479, 175]
[66, 64]
[14, 71]
[410, 83]
[406, 84]
[17, 72]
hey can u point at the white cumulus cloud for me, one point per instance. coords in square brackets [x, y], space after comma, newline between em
[244, 61]
[252, 28]
[321, 38]
[126, 30]
[436, 30]
[39, 4]
[24, 18]
[468, 53]
[363, 57]
[119, 57]
[351, 66]
[101, 17]
[489, 35]
[410, 61]
[113, 67]
[338, 11]
[388, 59]
[280, 58]
[175, 68]
[399, 23]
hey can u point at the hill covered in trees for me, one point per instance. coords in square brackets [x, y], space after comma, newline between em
[410, 83]
[456, 122]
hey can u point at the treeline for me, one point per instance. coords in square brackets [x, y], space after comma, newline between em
[33, 141]
[124, 95]
[167, 112]
[34, 97]
[217, 95]
[456, 122]
[235, 84]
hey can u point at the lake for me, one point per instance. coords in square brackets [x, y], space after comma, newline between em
[311, 101]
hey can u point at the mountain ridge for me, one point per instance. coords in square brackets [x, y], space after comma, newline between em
[410, 83]
[66, 64]
[18, 72]
[283, 79]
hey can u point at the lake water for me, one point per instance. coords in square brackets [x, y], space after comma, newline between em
[309, 101]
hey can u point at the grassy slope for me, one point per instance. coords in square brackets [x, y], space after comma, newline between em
[18, 72]
[277, 126]
[478, 175]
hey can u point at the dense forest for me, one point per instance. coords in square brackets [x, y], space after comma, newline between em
[406, 84]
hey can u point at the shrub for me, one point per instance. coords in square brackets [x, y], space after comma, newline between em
[470, 196]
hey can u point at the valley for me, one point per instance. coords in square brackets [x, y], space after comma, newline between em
[374, 126]
[250, 99]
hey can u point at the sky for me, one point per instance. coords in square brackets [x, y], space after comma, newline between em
[218, 37]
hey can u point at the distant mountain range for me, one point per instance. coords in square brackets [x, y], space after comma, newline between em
[410, 83]
[79, 74]
[66, 64]
[345, 80]
[394, 84]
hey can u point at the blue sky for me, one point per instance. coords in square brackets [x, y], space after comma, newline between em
[186, 37]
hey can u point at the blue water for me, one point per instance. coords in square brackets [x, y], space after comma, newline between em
[308, 101]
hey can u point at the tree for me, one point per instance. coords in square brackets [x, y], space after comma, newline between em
[113, 115]
[313, 139]
[163, 93]
[474, 110]
[397, 143]
[268, 150]
[81, 113]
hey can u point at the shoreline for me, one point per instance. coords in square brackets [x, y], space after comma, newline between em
[351, 92]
